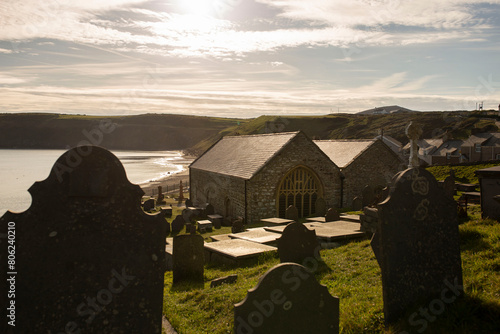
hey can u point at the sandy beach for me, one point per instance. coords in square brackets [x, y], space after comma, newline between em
[169, 182]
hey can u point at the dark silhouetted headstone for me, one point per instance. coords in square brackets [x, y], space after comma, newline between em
[209, 210]
[188, 203]
[449, 186]
[161, 197]
[368, 195]
[88, 259]
[231, 279]
[357, 204]
[149, 204]
[178, 224]
[416, 243]
[298, 244]
[188, 258]
[332, 215]
[292, 213]
[287, 299]
[238, 226]
[320, 207]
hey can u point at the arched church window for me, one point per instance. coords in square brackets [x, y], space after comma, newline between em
[301, 188]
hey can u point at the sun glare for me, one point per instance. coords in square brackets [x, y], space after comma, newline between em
[197, 7]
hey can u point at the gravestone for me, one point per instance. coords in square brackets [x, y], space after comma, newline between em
[292, 213]
[449, 186]
[357, 204]
[188, 203]
[209, 210]
[320, 207]
[287, 300]
[88, 259]
[188, 258]
[238, 225]
[149, 204]
[332, 215]
[416, 243]
[161, 197]
[178, 224]
[368, 195]
[298, 244]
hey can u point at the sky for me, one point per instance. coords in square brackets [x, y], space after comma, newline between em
[246, 58]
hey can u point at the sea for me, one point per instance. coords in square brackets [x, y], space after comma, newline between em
[19, 169]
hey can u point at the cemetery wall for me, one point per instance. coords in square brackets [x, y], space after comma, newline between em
[263, 187]
[225, 193]
[376, 166]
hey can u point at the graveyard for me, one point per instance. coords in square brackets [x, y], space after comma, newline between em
[351, 273]
[87, 243]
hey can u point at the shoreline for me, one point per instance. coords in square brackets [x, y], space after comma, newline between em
[171, 181]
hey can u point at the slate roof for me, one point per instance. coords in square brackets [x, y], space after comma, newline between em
[242, 156]
[451, 146]
[478, 138]
[343, 152]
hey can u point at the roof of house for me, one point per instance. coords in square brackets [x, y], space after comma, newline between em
[394, 144]
[242, 156]
[343, 152]
[478, 138]
[449, 147]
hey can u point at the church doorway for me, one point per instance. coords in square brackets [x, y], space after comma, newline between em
[301, 188]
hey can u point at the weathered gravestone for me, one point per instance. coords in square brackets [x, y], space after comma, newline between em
[449, 185]
[417, 245]
[287, 300]
[209, 210]
[320, 207]
[149, 204]
[332, 215]
[298, 244]
[178, 224]
[368, 195]
[161, 197]
[357, 204]
[188, 203]
[292, 213]
[238, 225]
[188, 258]
[88, 259]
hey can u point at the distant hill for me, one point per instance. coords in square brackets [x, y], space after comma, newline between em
[142, 132]
[459, 125]
[195, 134]
[385, 110]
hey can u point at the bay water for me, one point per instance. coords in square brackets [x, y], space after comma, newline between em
[19, 169]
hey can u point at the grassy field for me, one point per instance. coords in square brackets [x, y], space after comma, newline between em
[351, 273]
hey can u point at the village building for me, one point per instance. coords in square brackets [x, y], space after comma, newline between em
[448, 153]
[362, 162]
[259, 176]
[481, 147]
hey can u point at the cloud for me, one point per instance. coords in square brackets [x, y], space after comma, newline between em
[11, 80]
[6, 51]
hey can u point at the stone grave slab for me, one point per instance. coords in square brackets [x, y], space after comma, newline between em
[216, 220]
[237, 249]
[276, 221]
[204, 226]
[416, 243]
[85, 238]
[258, 235]
[353, 218]
[287, 299]
[298, 243]
[316, 219]
[188, 258]
[343, 225]
[220, 237]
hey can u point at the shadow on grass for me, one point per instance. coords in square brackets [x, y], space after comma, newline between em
[187, 286]
[473, 240]
[465, 315]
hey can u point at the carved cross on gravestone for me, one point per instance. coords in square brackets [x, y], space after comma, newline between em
[413, 132]
[88, 259]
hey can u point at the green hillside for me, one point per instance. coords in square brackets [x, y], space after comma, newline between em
[458, 125]
[142, 132]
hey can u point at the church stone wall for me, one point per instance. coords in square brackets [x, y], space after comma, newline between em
[375, 167]
[262, 188]
[217, 189]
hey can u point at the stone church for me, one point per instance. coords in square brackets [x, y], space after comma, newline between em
[259, 176]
